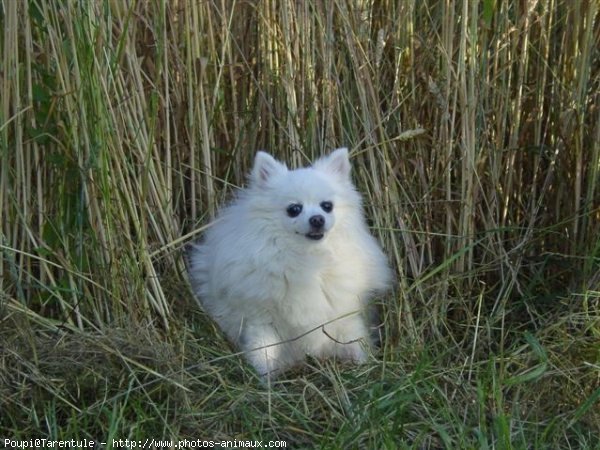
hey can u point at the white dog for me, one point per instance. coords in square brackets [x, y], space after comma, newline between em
[288, 268]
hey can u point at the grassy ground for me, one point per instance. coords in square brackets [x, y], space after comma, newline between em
[475, 137]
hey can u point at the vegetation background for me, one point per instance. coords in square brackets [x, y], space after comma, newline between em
[475, 136]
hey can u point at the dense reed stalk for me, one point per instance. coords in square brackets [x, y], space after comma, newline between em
[475, 137]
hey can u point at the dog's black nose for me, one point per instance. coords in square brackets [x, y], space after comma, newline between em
[317, 221]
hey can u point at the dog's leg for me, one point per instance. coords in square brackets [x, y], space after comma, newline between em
[263, 349]
[349, 339]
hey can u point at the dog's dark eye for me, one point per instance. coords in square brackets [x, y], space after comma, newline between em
[327, 206]
[294, 209]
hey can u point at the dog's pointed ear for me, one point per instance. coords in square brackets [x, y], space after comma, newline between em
[336, 163]
[265, 167]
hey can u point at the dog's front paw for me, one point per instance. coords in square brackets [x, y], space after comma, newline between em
[353, 352]
[263, 349]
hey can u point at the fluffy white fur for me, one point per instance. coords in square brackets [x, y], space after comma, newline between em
[283, 287]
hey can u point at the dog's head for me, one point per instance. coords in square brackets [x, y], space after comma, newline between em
[307, 201]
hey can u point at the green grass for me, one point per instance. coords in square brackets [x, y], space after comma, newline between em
[475, 138]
